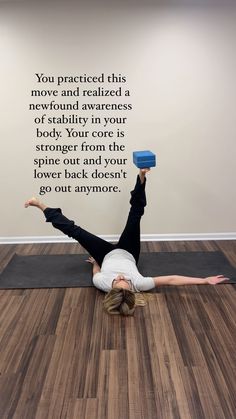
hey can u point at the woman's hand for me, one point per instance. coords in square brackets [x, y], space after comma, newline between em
[91, 260]
[96, 267]
[214, 280]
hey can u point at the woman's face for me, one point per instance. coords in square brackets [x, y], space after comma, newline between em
[121, 282]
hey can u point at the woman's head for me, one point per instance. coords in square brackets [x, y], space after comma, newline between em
[123, 301]
[122, 282]
[120, 301]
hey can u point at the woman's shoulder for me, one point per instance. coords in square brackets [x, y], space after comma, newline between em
[102, 281]
[144, 283]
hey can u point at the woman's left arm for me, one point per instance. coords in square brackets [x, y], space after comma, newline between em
[96, 267]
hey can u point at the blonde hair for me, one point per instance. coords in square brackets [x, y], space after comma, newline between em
[123, 301]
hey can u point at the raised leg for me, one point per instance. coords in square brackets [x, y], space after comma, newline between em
[130, 238]
[94, 245]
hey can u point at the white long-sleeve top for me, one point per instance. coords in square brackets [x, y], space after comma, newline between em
[121, 262]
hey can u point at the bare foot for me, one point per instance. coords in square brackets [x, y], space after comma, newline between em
[142, 173]
[34, 202]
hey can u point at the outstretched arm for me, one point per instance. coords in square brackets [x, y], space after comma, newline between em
[188, 280]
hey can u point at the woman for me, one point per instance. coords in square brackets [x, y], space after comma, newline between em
[115, 266]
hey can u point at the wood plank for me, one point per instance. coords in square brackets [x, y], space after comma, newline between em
[166, 360]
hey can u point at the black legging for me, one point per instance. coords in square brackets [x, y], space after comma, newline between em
[97, 247]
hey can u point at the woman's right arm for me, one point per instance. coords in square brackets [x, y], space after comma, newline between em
[188, 280]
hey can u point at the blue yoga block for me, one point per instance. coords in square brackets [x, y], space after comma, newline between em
[143, 159]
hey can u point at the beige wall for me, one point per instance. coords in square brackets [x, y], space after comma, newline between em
[180, 68]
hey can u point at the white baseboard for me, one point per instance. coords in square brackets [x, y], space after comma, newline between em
[114, 238]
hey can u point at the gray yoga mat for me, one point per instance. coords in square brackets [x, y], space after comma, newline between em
[67, 271]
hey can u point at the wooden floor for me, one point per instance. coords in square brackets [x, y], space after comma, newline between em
[62, 357]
